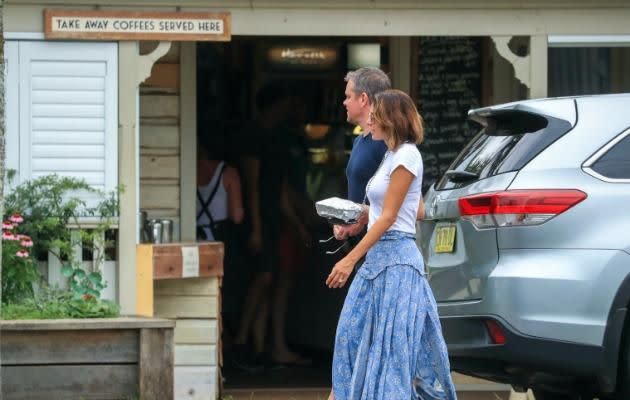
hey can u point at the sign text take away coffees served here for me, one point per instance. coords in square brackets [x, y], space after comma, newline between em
[132, 25]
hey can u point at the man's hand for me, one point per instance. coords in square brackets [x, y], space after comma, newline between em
[356, 229]
[340, 232]
[343, 232]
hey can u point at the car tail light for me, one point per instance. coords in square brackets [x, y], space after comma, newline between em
[495, 331]
[517, 207]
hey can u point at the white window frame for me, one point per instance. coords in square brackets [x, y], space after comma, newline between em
[12, 107]
[588, 165]
[588, 40]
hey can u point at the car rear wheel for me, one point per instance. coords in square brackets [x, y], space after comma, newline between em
[623, 378]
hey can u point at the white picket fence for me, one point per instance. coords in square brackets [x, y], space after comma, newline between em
[51, 268]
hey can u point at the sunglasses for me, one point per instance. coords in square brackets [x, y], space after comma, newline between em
[343, 243]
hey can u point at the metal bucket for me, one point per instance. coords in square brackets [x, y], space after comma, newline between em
[167, 230]
[155, 231]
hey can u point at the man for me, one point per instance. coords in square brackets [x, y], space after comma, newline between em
[362, 86]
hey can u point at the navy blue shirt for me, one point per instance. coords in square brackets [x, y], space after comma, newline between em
[365, 158]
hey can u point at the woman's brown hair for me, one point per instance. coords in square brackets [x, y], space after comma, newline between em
[398, 116]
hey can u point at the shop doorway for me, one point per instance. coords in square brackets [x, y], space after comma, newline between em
[236, 82]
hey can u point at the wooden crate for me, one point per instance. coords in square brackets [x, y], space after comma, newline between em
[87, 359]
[195, 304]
[172, 261]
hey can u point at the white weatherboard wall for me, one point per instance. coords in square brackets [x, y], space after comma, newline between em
[195, 304]
[160, 138]
[68, 111]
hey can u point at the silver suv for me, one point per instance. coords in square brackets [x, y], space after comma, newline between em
[527, 245]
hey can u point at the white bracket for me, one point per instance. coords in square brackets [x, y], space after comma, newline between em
[145, 63]
[522, 67]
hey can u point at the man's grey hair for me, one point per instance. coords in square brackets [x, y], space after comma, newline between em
[370, 80]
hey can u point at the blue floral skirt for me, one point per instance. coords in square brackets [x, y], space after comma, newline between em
[389, 343]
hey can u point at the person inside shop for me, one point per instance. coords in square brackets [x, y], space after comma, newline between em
[295, 241]
[220, 215]
[264, 165]
[219, 200]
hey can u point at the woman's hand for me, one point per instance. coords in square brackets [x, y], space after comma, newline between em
[340, 273]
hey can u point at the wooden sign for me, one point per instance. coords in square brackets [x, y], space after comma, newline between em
[183, 260]
[303, 57]
[133, 25]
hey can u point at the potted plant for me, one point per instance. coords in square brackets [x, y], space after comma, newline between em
[70, 343]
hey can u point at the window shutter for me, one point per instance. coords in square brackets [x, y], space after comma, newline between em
[69, 111]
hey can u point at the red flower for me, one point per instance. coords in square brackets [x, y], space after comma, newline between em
[22, 253]
[7, 225]
[9, 236]
[26, 242]
[16, 218]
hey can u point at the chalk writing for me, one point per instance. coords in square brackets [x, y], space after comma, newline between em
[449, 84]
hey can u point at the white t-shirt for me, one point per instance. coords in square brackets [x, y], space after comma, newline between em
[405, 156]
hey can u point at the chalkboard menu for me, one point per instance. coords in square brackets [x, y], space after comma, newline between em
[449, 84]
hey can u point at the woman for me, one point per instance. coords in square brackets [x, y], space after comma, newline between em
[389, 342]
[219, 202]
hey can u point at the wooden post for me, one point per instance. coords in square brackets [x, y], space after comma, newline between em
[188, 141]
[133, 70]
[538, 68]
[156, 367]
[144, 280]
[128, 60]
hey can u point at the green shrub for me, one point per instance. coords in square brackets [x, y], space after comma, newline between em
[36, 223]
[51, 303]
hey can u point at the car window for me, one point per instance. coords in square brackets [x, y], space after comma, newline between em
[615, 163]
[509, 141]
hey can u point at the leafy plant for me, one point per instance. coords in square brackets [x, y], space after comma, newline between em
[48, 206]
[50, 303]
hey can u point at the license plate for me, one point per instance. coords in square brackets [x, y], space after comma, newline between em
[445, 239]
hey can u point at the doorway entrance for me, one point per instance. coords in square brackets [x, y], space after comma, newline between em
[238, 84]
